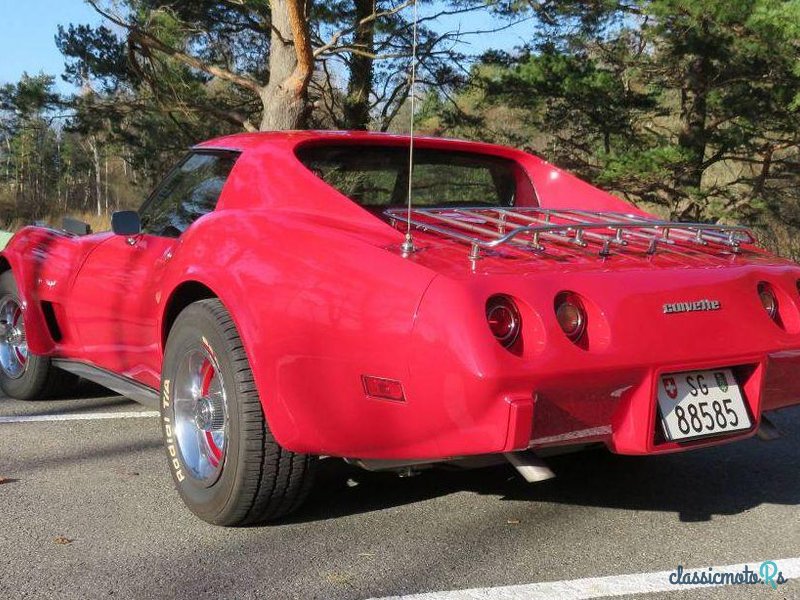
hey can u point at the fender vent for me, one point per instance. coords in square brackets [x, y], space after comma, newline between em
[52, 321]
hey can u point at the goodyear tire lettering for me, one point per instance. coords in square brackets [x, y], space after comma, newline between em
[165, 394]
[172, 449]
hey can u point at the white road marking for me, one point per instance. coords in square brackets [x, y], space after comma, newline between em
[142, 414]
[603, 587]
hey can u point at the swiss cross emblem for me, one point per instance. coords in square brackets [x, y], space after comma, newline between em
[670, 387]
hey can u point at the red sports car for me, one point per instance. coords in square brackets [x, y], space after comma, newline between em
[278, 301]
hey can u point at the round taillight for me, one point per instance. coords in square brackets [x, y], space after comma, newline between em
[504, 320]
[571, 316]
[768, 300]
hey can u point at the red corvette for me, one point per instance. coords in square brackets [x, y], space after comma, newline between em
[267, 298]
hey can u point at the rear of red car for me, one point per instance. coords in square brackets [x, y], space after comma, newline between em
[561, 316]
[604, 356]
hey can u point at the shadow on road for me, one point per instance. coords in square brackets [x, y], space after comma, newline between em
[84, 397]
[85, 390]
[68, 406]
[81, 453]
[696, 485]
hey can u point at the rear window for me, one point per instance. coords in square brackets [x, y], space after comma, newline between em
[377, 176]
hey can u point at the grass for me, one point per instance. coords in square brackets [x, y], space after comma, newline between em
[97, 223]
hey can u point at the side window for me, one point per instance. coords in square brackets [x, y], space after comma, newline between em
[190, 191]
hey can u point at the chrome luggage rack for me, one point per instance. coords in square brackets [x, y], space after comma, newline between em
[486, 228]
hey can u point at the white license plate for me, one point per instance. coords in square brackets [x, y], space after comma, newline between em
[701, 403]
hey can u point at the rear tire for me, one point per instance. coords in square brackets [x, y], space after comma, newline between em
[25, 376]
[225, 462]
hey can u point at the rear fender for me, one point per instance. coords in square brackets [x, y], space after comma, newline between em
[316, 308]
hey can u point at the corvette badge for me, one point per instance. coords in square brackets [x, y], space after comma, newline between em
[693, 306]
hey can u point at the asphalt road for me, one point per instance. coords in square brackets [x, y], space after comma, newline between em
[87, 510]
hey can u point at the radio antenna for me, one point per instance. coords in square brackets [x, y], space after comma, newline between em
[408, 245]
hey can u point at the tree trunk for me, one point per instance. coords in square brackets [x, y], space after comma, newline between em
[58, 171]
[692, 137]
[694, 108]
[105, 184]
[356, 104]
[98, 183]
[21, 174]
[291, 61]
[67, 183]
[8, 161]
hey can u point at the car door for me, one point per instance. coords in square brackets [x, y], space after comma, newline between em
[115, 301]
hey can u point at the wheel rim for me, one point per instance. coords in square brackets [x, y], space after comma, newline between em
[13, 342]
[201, 416]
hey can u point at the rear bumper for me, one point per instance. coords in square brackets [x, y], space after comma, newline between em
[621, 411]
[618, 408]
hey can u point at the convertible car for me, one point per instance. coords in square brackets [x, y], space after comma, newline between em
[279, 301]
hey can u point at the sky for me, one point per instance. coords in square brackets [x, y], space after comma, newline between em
[27, 36]
[28, 29]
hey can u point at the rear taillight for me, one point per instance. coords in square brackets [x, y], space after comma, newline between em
[570, 315]
[768, 300]
[504, 320]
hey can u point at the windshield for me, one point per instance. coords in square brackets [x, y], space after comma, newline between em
[377, 176]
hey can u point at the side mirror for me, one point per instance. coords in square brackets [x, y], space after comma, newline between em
[126, 222]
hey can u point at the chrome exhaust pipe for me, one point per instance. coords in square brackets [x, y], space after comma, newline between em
[532, 468]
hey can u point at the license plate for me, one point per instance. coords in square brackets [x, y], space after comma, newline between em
[701, 403]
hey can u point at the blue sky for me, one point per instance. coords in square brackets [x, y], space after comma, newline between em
[28, 28]
[27, 36]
